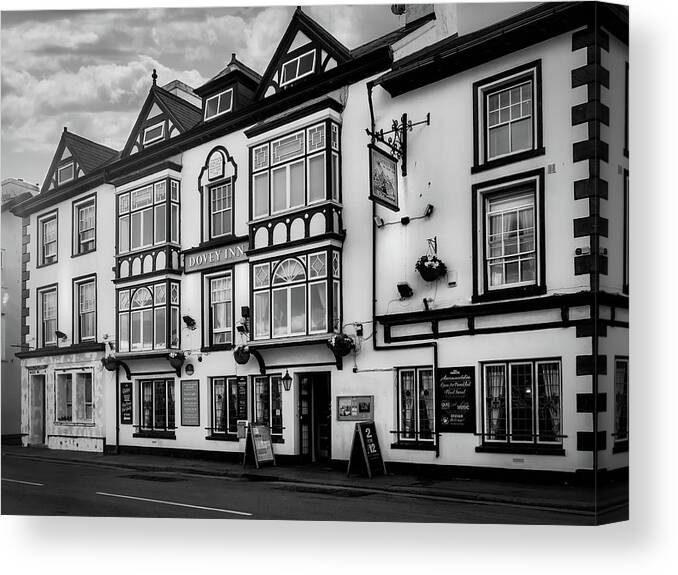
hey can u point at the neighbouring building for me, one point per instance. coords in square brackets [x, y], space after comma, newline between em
[267, 229]
[14, 191]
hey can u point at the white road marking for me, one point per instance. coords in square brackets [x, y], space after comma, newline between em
[174, 503]
[24, 482]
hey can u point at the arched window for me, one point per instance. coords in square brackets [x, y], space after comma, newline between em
[289, 271]
[142, 298]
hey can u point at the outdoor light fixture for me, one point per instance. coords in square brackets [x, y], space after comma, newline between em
[190, 322]
[60, 335]
[405, 290]
[428, 211]
[287, 380]
[241, 327]
[379, 221]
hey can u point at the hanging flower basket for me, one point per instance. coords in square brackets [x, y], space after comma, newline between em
[430, 267]
[241, 354]
[341, 344]
[176, 359]
[109, 362]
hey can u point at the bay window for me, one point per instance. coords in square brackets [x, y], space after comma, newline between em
[148, 317]
[229, 404]
[295, 170]
[157, 405]
[415, 405]
[522, 402]
[148, 216]
[74, 393]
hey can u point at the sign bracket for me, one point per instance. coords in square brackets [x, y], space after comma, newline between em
[395, 139]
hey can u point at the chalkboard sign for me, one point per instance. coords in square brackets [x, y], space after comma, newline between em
[190, 402]
[365, 451]
[126, 402]
[456, 395]
[258, 445]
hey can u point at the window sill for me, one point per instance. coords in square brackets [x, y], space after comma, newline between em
[78, 254]
[621, 446]
[518, 157]
[222, 437]
[509, 293]
[38, 266]
[156, 434]
[414, 446]
[528, 449]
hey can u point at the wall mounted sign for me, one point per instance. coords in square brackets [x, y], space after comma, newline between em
[215, 166]
[456, 395]
[383, 178]
[190, 403]
[196, 261]
[126, 402]
[355, 408]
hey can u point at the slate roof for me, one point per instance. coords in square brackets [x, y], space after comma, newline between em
[89, 154]
[236, 65]
[186, 114]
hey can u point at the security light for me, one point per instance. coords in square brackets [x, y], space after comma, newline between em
[60, 335]
[190, 322]
[405, 290]
[428, 211]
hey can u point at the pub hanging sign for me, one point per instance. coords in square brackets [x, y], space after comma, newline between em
[383, 178]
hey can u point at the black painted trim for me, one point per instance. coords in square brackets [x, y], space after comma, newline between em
[586, 440]
[585, 365]
[585, 402]
[128, 177]
[324, 104]
[521, 449]
[52, 351]
[625, 272]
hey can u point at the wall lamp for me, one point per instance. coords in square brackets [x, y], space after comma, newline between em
[405, 290]
[61, 336]
[190, 322]
[380, 223]
[287, 380]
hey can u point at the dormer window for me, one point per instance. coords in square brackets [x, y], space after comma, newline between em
[154, 133]
[298, 68]
[66, 173]
[219, 104]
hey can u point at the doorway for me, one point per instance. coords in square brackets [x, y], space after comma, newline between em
[37, 409]
[315, 417]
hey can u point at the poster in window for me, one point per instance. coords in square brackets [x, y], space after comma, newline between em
[456, 395]
[383, 178]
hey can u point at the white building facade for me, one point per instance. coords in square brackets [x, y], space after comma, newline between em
[247, 237]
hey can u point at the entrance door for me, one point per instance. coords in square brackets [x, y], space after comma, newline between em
[315, 413]
[37, 410]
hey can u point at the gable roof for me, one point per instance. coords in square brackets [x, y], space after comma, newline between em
[182, 113]
[301, 22]
[88, 155]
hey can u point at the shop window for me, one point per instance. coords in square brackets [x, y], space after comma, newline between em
[508, 116]
[143, 220]
[509, 243]
[74, 393]
[522, 402]
[220, 309]
[85, 310]
[415, 393]
[157, 405]
[47, 239]
[621, 403]
[220, 104]
[229, 404]
[148, 317]
[47, 316]
[298, 68]
[268, 403]
[221, 210]
[301, 171]
[84, 226]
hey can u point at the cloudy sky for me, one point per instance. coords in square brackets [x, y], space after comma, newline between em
[90, 70]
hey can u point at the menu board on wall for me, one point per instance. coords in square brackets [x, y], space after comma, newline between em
[126, 402]
[456, 395]
[190, 402]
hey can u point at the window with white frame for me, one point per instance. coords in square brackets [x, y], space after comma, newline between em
[65, 173]
[74, 397]
[509, 114]
[621, 399]
[47, 316]
[295, 170]
[229, 403]
[219, 104]
[220, 308]
[84, 226]
[292, 296]
[85, 310]
[268, 403]
[415, 393]
[297, 68]
[522, 402]
[154, 133]
[157, 405]
[47, 239]
[148, 317]
[146, 215]
[510, 237]
[221, 210]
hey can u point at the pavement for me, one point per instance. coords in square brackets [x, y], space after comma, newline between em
[563, 496]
